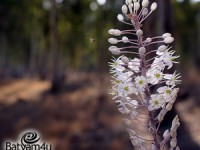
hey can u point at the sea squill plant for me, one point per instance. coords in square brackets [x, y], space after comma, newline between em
[142, 88]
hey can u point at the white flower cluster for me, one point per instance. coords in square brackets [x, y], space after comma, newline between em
[133, 78]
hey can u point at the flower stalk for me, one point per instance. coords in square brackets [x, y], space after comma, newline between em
[133, 79]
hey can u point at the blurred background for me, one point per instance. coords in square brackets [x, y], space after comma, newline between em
[54, 71]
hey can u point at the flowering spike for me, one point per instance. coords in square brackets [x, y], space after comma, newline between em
[132, 79]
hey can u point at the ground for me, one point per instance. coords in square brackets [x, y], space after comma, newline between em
[80, 117]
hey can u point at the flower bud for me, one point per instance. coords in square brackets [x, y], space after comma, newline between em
[145, 11]
[120, 17]
[114, 50]
[124, 9]
[128, 2]
[160, 116]
[166, 133]
[137, 5]
[162, 48]
[125, 39]
[169, 40]
[165, 35]
[177, 148]
[117, 32]
[142, 51]
[111, 31]
[139, 32]
[145, 3]
[153, 6]
[148, 40]
[173, 142]
[125, 60]
[112, 40]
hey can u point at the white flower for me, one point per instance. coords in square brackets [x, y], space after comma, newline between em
[134, 65]
[154, 76]
[167, 92]
[141, 83]
[116, 65]
[158, 64]
[156, 102]
[172, 79]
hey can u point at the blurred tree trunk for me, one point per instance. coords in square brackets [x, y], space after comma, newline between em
[58, 76]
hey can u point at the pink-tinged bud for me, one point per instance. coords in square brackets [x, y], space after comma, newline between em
[112, 40]
[169, 40]
[145, 3]
[162, 48]
[153, 146]
[177, 148]
[142, 51]
[124, 9]
[137, 5]
[114, 50]
[145, 11]
[153, 6]
[125, 39]
[165, 35]
[139, 32]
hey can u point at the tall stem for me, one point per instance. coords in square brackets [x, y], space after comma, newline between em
[152, 122]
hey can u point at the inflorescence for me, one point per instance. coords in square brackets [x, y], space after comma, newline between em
[133, 79]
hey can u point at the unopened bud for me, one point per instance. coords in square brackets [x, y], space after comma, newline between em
[173, 142]
[125, 60]
[112, 40]
[165, 35]
[124, 9]
[114, 50]
[145, 3]
[139, 32]
[153, 6]
[142, 51]
[120, 17]
[145, 11]
[169, 40]
[111, 31]
[148, 40]
[125, 39]
[128, 2]
[162, 48]
[166, 133]
[137, 5]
